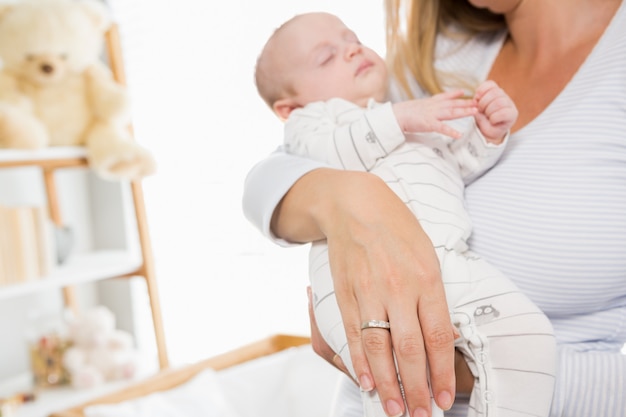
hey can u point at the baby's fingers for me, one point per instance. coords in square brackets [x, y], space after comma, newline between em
[449, 95]
[444, 129]
[457, 109]
[503, 116]
[484, 88]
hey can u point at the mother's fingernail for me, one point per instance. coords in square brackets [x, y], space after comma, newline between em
[444, 400]
[420, 412]
[366, 383]
[394, 409]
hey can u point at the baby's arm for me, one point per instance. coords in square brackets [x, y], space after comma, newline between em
[496, 112]
[350, 137]
[343, 134]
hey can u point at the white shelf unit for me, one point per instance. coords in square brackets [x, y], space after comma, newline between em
[79, 269]
[50, 401]
[92, 266]
[85, 267]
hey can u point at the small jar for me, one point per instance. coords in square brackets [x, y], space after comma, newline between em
[47, 344]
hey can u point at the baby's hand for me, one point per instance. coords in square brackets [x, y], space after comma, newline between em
[428, 114]
[496, 112]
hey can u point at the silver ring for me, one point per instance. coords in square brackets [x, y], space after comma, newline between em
[375, 324]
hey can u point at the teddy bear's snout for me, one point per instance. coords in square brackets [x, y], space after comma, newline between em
[47, 68]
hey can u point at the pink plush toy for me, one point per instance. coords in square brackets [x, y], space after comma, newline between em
[98, 352]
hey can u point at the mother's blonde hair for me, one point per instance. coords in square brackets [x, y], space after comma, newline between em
[412, 27]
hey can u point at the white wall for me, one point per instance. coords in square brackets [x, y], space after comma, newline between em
[190, 65]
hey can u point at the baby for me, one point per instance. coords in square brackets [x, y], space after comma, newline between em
[330, 89]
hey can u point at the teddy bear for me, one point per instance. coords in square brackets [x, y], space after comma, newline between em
[55, 90]
[98, 351]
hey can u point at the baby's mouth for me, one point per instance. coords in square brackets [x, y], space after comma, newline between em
[364, 66]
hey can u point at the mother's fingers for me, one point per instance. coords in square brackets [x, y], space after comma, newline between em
[408, 345]
[370, 348]
[357, 353]
[378, 349]
[439, 342]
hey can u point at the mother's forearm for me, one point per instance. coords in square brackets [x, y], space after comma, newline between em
[316, 201]
[294, 218]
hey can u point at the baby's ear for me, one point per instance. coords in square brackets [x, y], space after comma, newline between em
[284, 107]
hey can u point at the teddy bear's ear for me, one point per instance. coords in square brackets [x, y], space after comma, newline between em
[98, 13]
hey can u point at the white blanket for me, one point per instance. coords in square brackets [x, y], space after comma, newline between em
[291, 383]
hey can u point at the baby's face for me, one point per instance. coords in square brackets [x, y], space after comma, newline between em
[322, 59]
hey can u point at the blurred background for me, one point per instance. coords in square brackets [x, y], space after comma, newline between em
[189, 67]
[190, 70]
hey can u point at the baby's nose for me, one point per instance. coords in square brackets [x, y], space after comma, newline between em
[353, 49]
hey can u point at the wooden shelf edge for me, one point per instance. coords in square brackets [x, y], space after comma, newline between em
[46, 163]
[49, 158]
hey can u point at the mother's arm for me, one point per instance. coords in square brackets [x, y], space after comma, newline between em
[383, 265]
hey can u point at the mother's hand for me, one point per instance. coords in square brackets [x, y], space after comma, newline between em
[463, 375]
[384, 268]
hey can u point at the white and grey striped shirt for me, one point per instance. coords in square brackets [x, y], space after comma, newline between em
[552, 216]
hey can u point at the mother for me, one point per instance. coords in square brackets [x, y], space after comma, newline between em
[551, 215]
